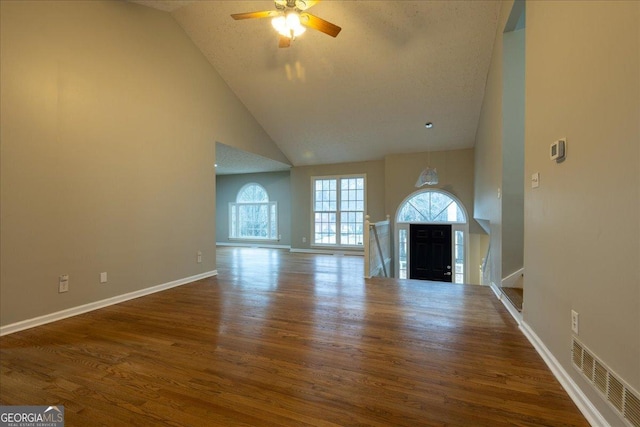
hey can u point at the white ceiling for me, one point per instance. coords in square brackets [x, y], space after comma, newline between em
[231, 160]
[366, 93]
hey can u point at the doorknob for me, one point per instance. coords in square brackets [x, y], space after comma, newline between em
[448, 267]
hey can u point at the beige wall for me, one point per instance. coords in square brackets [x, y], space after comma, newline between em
[582, 225]
[108, 126]
[301, 194]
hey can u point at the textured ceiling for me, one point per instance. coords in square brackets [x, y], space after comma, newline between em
[166, 5]
[230, 160]
[366, 93]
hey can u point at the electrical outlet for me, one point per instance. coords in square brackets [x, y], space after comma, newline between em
[63, 283]
[574, 321]
[304, 240]
[103, 277]
[199, 257]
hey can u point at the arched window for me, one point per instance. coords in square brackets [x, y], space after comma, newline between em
[252, 193]
[432, 206]
[253, 216]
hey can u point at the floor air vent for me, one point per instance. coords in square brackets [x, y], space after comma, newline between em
[619, 395]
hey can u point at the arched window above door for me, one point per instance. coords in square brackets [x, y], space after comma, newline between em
[431, 206]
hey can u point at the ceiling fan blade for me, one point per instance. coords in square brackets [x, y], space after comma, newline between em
[251, 15]
[312, 21]
[306, 4]
[284, 41]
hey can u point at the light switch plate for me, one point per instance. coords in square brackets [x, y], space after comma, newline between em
[535, 180]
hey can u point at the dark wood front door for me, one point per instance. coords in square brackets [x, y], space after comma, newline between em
[430, 252]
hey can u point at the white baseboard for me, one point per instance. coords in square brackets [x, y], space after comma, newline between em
[511, 280]
[326, 252]
[70, 312]
[496, 290]
[593, 416]
[517, 316]
[253, 245]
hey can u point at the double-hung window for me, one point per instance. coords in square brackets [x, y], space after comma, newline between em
[253, 216]
[338, 210]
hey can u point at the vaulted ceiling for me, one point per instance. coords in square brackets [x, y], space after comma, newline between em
[367, 93]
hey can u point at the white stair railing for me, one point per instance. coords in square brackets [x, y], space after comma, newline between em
[377, 248]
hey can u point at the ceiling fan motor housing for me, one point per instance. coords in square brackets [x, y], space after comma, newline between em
[300, 5]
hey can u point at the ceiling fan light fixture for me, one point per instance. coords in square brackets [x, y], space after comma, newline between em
[288, 25]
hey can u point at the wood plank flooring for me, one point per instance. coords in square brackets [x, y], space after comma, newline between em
[281, 339]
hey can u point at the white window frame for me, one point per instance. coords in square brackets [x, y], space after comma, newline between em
[455, 226]
[338, 211]
[272, 210]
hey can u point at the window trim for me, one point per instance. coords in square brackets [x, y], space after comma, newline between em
[338, 211]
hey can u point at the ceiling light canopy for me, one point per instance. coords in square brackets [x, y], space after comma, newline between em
[288, 25]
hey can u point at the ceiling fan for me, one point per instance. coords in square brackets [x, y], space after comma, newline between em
[290, 19]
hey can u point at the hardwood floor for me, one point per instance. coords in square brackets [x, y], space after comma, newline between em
[290, 340]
